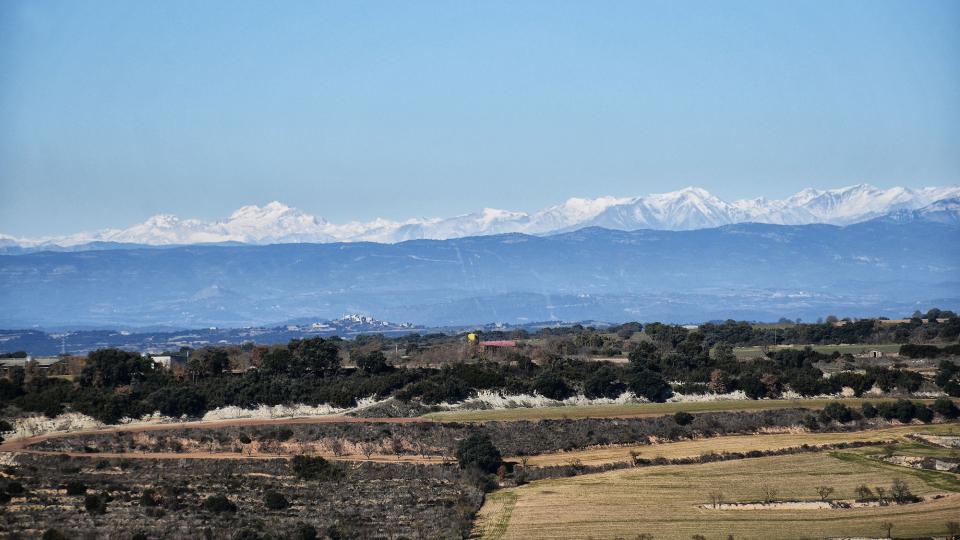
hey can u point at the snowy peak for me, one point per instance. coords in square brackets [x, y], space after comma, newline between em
[684, 209]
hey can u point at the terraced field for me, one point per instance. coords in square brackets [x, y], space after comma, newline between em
[668, 501]
[732, 443]
[637, 409]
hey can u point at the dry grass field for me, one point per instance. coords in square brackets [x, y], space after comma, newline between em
[732, 443]
[666, 501]
[746, 353]
[637, 409]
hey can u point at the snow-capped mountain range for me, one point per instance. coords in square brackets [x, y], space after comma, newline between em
[686, 209]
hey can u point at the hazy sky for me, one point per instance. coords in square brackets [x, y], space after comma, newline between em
[113, 111]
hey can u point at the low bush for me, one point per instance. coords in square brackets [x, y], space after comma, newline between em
[95, 504]
[946, 408]
[219, 503]
[314, 468]
[75, 487]
[275, 501]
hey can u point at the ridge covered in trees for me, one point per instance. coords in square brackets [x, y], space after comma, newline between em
[441, 368]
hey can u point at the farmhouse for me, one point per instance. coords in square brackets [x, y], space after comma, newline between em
[40, 362]
[169, 361]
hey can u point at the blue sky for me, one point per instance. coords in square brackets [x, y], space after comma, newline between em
[113, 111]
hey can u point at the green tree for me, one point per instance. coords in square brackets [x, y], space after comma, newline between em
[208, 363]
[374, 362]
[107, 368]
[478, 450]
[316, 356]
[604, 382]
[650, 385]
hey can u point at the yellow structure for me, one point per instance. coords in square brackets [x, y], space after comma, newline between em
[472, 338]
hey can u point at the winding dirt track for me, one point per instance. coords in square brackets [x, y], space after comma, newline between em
[23, 445]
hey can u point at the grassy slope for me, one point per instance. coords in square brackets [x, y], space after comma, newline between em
[665, 501]
[637, 409]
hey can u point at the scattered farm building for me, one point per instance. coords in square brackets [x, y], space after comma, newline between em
[169, 361]
[40, 362]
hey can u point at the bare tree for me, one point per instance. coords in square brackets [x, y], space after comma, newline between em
[824, 492]
[888, 527]
[634, 458]
[900, 491]
[366, 448]
[864, 493]
[769, 493]
[881, 494]
[396, 446]
[336, 446]
[716, 498]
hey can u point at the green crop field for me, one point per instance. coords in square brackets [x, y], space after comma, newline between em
[669, 501]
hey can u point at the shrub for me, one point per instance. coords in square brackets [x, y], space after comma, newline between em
[219, 503]
[551, 386]
[810, 422]
[275, 501]
[869, 411]
[314, 468]
[650, 385]
[603, 383]
[53, 534]
[478, 450]
[95, 504]
[911, 350]
[149, 497]
[15, 488]
[946, 407]
[838, 411]
[75, 487]
[177, 401]
[905, 410]
[305, 532]
[923, 413]
[5, 426]
[244, 439]
[682, 418]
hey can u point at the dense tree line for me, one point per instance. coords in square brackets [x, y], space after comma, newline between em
[116, 383]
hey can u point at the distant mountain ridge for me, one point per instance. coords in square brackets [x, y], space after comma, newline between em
[884, 266]
[687, 209]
